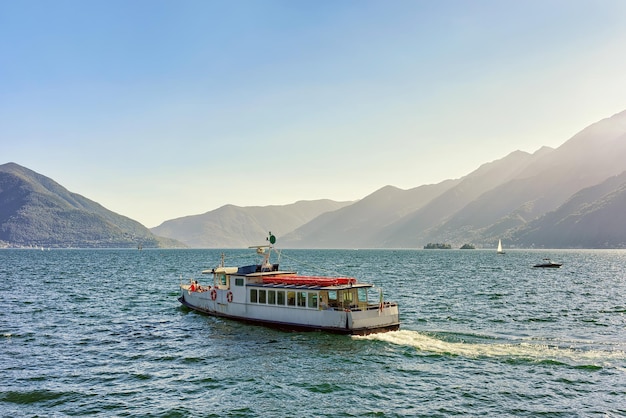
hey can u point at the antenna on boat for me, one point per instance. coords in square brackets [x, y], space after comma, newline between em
[266, 256]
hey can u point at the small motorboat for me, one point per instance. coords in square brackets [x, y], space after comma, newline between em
[547, 263]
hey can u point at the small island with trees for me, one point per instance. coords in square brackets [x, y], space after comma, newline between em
[468, 247]
[437, 246]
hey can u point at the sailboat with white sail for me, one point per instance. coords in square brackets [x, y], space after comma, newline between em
[500, 250]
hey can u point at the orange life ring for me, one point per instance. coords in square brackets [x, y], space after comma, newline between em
[229, 296]
[213, 294]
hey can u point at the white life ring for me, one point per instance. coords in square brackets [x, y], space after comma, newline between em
[213, 294]
[229, 296]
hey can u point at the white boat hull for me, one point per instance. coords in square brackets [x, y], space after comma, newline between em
[364, 320]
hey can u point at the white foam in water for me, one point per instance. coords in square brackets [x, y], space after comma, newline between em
[535, 352]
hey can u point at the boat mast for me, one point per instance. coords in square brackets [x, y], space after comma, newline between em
[266, 259]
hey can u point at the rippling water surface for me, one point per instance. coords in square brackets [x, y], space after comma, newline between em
[101, 332]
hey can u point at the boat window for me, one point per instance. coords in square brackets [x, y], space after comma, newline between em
[271, 297]
[347, 298]
[291, 298]
[302, 299]
[262, 298]
[239, 281]
[312, 303]
[323, 300]
[362, 295]
[280, 297]
[332, 299]
[222, 279]
[253, 296]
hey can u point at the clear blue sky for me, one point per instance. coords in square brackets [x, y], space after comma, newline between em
[162, 109]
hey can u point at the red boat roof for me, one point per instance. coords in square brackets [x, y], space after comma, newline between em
[309, 280]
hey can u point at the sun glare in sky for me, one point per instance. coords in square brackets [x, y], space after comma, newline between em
[163, 109]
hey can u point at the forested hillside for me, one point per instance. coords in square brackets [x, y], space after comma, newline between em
[37, 211]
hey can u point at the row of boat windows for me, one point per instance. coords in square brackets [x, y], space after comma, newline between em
[301, 299]
[305, 299]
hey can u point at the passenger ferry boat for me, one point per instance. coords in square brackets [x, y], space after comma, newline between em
[263, 294]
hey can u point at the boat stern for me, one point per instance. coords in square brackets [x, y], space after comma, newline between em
[379, 319]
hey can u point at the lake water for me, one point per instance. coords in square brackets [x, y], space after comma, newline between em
[101, 332]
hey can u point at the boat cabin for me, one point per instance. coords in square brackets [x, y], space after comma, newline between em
[284, 288]
[353, 298]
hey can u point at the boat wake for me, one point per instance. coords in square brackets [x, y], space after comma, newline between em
[523, 351]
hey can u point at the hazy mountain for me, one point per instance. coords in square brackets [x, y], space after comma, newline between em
[588, 158]
[35, 210]
[234, 226]
[364, 223]
[595, 217]
[571, 196]
[492, 202]
[495, 201]
[416, 227]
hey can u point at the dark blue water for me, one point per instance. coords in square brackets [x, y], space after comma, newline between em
[101, 332]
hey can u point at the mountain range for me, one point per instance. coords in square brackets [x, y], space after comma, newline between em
[573, 196]
[568, 197]
[37, 211]
[232, 226]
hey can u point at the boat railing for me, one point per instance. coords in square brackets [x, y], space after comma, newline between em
[360, 307]
[376, 306]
